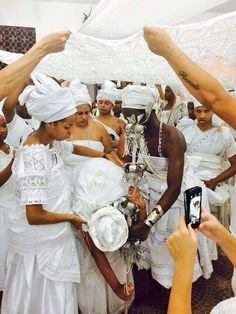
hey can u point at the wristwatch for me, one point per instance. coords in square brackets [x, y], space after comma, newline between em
[154, 216]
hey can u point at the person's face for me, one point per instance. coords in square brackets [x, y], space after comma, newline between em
[169, 95]
[61, 130]
[117, 107]
[3, 128]
[191, 113]
[104, 106]
[203, 115]
[83, 115]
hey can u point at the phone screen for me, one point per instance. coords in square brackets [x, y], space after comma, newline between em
[193, 201]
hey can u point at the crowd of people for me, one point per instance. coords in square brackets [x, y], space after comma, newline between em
[63, 156]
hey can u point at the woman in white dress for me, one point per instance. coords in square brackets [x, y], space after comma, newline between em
[95, 295]
[167, 177]
[43, 263]
[6, 196]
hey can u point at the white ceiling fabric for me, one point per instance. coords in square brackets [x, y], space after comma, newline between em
[118, 19]
[211, 44]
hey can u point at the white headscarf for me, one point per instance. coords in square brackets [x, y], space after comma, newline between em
[139, 97]
[108, 85]
[106, 94]
[80, 93]
[108, 229]
[118, 94]
[46, 100]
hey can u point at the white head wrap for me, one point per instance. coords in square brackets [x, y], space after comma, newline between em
[80, 93]
[118, 94]
[197, 104]
[108, 229]
[106, 94]
[47, 101]
[108, 85]
[139, 97]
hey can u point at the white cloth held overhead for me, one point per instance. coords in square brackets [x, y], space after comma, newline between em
[108, 229]
[47, 101]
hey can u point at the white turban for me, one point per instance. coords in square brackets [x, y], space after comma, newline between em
[46, 100]
[118, 94]
[108, 85]
[106, 94]
[80, 93]
[108, 229]
[138, 97]
[197, 104]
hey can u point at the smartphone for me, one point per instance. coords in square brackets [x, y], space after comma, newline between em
[192, 206]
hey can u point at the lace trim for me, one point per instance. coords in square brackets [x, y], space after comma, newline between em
[33, 190]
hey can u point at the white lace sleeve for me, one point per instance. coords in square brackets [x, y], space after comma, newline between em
[31, 171]
[63, 147]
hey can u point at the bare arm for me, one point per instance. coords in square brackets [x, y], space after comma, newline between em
[106, 270]
[203, 86]
[14, 74]
[228, 173]
[174, 147]
[182, 245]
[6, 173]
[36, 215]
[11, 101]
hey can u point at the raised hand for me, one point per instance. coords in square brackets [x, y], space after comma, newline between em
[53, 42]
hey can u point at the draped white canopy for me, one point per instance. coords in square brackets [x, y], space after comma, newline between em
[211, 44]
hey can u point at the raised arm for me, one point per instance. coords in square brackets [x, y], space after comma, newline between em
[12, 76]
[203, 86]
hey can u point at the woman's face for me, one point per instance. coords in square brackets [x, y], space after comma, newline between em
[83, 115]
[62, 130]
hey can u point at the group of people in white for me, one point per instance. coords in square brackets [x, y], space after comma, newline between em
[61, 173]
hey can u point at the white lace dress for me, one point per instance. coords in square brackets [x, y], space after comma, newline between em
[7, 205]
[43, 265]
[95, 295]
[156, 254]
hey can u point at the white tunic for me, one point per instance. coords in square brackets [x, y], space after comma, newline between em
[47, 252]
[208, 152]
[156, 253]
[172, 116]
[7, 205]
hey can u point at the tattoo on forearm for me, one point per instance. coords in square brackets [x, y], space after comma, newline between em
[184, 76]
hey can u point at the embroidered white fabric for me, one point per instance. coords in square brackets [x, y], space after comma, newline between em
[211, 44]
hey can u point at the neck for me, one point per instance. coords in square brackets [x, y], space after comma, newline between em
[104, 116]
[43, 136]
[152, 124]
[205, 127]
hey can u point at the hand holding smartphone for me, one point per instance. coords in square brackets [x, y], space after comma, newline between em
[192, 206]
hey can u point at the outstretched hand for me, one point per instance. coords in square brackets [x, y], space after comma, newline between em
[53, 42]
[158, 40]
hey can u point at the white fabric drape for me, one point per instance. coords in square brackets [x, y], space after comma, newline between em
[117, 19]
[211, 44]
